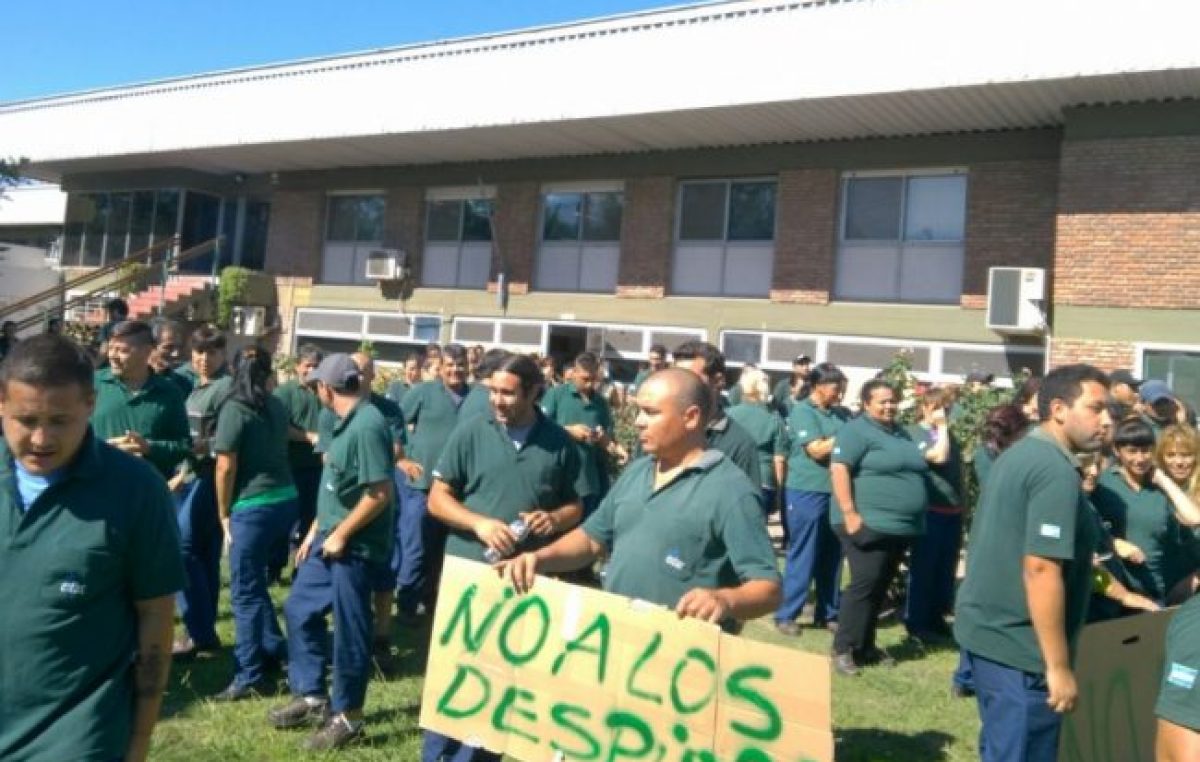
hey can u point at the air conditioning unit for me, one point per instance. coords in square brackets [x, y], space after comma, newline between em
[386, 264]
[248, 321]
[1016, 300]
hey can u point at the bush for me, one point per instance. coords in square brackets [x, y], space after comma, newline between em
[235, 282]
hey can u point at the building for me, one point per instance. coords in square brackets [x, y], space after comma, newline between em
[826, 178]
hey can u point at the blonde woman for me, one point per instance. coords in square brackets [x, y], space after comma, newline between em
[767, 430]
[1176, 455]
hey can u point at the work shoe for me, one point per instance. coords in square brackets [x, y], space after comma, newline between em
[334, 734]
[791, 629]
[844, 664]
[236, 691]
[876, 657]
[385, 661]
[301, 710]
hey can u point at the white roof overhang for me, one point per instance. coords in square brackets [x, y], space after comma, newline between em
[730, 73]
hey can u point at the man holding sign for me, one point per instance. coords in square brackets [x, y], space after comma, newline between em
[683, 527]
[515, 470]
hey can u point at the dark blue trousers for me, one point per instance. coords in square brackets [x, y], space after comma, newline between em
[419, 542]
[931, 567]
[813, 554]
[1018, 725]
[436, 747]
[342, 586]
[255, 532]
[201, 538]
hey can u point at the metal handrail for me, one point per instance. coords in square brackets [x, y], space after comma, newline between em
[194, 252]
[171, 244]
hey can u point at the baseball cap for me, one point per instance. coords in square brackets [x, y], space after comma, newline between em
[1153, 390]
[1126, 377]
[336, 371]
[802, 360]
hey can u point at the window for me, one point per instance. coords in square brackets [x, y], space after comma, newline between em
[902, 238]
[353, 227]
[1179, 367]
[581, 241]
[458, 243]
[725, 238]
[101, 228]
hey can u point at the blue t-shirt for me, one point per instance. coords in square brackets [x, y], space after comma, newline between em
[31, 486]
[519, 434]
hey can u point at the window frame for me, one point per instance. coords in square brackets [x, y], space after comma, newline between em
[724, 242]
[580, 245]
[358, 250]
[460, 196]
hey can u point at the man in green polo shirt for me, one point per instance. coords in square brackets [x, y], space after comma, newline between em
[656, 360]
[304, 410]
[412, 376]
[584, 414]
[724, 433]
[1178, 707]
[792, 389]
[138, 411]
[1029, 566]
[339, 559]
[91, 563]
[515, 465]
[683, 527]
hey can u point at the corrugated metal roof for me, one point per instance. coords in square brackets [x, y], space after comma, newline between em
[729, 73]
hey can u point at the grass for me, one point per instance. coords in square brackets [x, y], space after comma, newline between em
[903, 714]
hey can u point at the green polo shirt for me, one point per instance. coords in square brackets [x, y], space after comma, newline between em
[259, 440]
[781, 397]
[887, 471]
[639, 379]
[360, 454]
[183, 377]
[303, 410]
[769, 435]
[1179, 693]
[566, 406]
[1144, 517]
[156, 412]
[477, 403]
[99, 539]
[808, 423]
[396, 391]
[431, 412]
[491, 476]
[731, 438]
[943, 481]
[393, 416]
[702, 529]
[734, 396]
[1032, 505]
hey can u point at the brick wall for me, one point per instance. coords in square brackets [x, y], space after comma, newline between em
[1010, 221]
[1128, 232]
[805, 232]
[1106, 355]
[404, 223]
[294, 233]
[646, 237]
[515, 230]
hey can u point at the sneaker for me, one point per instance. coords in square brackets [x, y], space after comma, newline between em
[791, 629]
[844, 664]
[334, 734]
[301, 710]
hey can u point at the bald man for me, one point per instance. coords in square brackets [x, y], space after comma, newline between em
[689, 534]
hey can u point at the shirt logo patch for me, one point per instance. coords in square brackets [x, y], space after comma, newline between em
[804, 433]
[673, 560]
[1182, 676]
[837, 451]
[1053, 531]
[72, 587]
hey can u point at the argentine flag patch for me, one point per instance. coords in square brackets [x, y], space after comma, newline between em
[1053, 531]
[1182, 676]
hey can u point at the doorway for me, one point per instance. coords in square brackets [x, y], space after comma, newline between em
[566, 342]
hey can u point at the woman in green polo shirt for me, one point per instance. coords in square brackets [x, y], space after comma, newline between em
[878, 476]
[256, 499]
[1145, 507]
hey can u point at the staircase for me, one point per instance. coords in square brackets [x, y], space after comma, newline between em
[180, 291]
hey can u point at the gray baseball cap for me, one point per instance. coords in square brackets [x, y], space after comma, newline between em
[336, 371]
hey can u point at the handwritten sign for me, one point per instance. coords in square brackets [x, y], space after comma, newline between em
[1118, 669]
[570, 673]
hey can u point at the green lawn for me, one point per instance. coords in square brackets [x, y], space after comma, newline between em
[903, 714]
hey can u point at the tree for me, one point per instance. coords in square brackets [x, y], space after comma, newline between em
[10, 172]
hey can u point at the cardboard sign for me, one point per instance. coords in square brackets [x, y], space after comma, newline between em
[1118, 668]
[569, 673]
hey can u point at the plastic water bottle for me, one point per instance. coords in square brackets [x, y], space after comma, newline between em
[519, 529]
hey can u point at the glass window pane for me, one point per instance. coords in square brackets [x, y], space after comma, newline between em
[477, 220]
[93, 242]
[936, 208]
[72, 240]
[742, 347]
[141, 221]
[166, 214]
[873, 209]
[341, 218]
[444, 220]
[752, 211]
[118, 226]
[702, 212]
[369, 212]
[560, 216]
[602, 216]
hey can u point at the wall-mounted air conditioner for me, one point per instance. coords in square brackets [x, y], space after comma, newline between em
[1016, 300]
[386, 264]
[248, 321]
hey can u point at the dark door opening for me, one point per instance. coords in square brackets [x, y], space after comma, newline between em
[566, 342]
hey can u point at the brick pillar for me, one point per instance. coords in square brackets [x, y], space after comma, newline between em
[404, 223]
[294, 233]
[1010, 221]
[1106, 355]
[805, 231]
[515, 230]
[646, 237]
